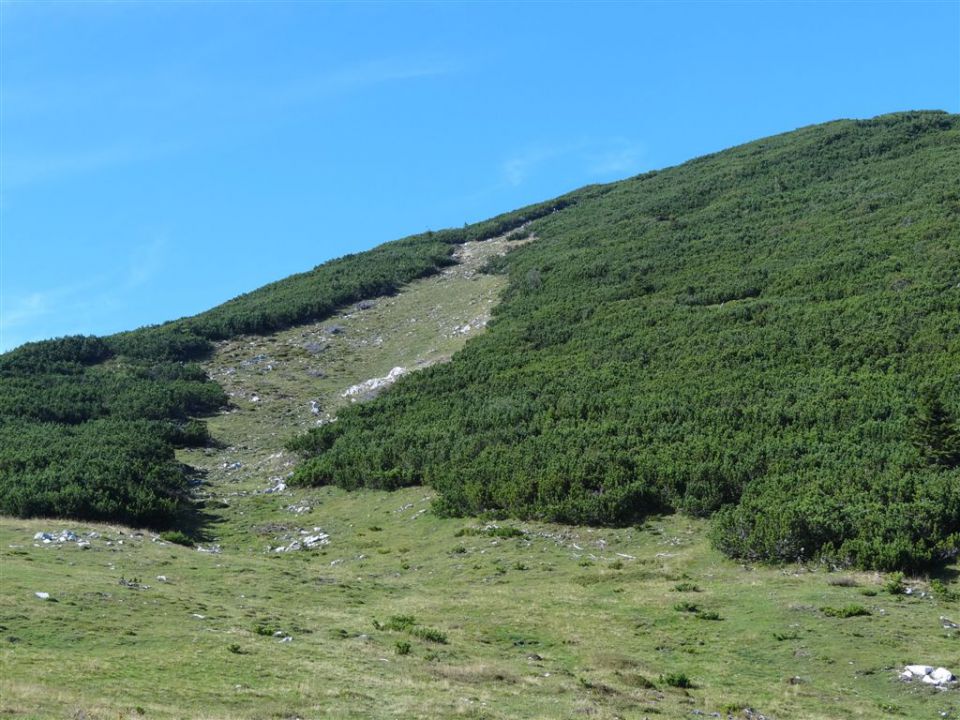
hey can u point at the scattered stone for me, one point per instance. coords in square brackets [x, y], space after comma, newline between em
[939, 677]
[278, 486]
[366, 305]
[133, 584]
[255, 360]
[254, 398]
[334, 329]
[64, 536]
[314, 348]
[214, 549]
[942, 675]
[314, 407]
[308, 540]
[161, 578]
[42, 595]
[948, 624]
[298, 509]
[368, 388]
[231, 466]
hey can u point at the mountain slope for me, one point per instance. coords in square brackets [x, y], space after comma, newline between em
[768, 333]
[88, 425]
[751, 332]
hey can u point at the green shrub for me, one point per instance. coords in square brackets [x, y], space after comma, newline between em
[677, 680]
[430, 634]
[674, 341]
[176, 536]
[847, 611]
[894, 584]
[400, 623]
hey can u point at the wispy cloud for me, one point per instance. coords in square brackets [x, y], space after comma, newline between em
[23, 317]
[516, 169]
[74, 308]
[325, 85]
[606, 157]
[23, 169]
[213, 105]
[623, 158]
[146, 263]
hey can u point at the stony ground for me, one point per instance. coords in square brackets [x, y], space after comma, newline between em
[309, 603]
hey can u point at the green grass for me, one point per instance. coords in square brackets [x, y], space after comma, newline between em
[585, 628]
[517, 643]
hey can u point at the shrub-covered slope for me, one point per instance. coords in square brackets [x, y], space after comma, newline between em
[88, 425]
[770, 333]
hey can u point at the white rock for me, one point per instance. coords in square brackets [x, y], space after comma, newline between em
[919, 670]
[942, 675]
[375, 384]
[43, 595]
[929, 680]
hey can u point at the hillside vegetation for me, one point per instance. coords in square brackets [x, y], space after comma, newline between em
[770, 334]
[88, 425]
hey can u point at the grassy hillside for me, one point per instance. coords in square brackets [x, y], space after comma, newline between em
[404, 614]
[88, 425]
[769, 333]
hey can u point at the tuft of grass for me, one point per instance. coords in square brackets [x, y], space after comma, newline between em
[847, 611]
[894, 584]
[677, 680]
[399, 623]
[429, 634]
[499, 531]
[177, 537]
[402, 647]
[942, 592]
[686, 607]
[842, 582]
[686, 587]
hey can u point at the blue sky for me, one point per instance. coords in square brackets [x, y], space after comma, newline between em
[159, 158]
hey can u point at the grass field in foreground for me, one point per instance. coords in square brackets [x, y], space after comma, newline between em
[555, 622]
[403, 614]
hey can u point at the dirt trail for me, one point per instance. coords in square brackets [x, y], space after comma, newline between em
[282, 384]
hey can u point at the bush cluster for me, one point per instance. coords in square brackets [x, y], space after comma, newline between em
[768, 334]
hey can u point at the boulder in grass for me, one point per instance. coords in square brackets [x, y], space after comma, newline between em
[942, 675]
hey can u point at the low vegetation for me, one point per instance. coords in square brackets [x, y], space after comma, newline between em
[767, 335]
